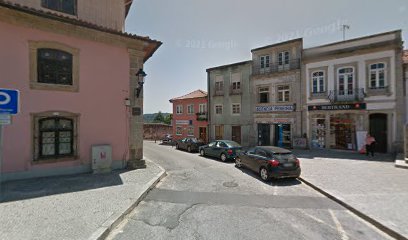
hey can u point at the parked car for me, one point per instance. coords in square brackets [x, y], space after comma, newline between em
[269, 162]
[168, 138]
[189, 143]
[222, 149]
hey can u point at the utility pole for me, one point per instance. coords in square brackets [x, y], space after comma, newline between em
[344, 27]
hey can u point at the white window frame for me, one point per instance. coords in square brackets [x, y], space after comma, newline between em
[236, 108]
[220, 107]
[265, 61]
[377, 71]
[190, 109]
[346, 75]
[320, 82]
[283, 92]
[179, 109]
[202, 108]
[284, 58]
[179, 132]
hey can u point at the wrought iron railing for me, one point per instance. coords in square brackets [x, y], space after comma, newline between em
[349, 95]
[202, 116]
[276, 67]
[235, 91]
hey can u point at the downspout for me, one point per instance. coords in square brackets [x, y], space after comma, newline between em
[209, 106]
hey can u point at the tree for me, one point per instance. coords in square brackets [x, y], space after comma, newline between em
[168, 118]
[159, 118]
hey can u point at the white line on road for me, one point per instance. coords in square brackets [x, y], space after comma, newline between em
[338, 226]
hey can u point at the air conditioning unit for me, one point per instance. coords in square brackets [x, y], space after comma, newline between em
[101, 158]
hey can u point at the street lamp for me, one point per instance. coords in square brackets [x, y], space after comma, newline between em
[140, 80]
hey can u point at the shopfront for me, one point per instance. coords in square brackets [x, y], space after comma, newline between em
[338, 126]
[276, 125]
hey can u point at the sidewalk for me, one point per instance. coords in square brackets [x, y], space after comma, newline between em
[82, 206]
[374, 187]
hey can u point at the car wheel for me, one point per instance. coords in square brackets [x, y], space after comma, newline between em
[238, 162]
[223, 157]
[202, 153]
[263, 173]
[188, 149]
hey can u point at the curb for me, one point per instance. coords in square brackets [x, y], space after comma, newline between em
[360, 214]
[103, 231]
[401, 164]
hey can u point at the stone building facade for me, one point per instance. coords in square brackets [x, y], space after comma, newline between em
[275, 87]
[229, 101]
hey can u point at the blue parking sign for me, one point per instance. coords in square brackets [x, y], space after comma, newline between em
[9, 101]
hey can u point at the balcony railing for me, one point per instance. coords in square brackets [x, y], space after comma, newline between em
[202, 116]
[235, 91]
[349, 95]
[274, 68]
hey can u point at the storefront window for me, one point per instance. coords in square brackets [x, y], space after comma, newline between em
[342, 132]
[318, 132]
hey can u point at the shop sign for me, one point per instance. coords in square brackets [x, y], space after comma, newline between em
[182, 122]
[281, 108]
[354, 106]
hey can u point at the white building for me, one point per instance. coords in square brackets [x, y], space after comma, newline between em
[352, 88]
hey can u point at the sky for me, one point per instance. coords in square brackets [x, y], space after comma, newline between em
[199, 34]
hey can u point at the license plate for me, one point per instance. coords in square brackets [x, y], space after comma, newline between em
[288, 165]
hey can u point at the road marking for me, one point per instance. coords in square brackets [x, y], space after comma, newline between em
[275, 190]
[314, 218]
[338, 226]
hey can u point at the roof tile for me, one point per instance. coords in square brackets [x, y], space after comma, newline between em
[196, 94]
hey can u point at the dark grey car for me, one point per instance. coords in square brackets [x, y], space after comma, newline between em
[269, 162]
[191, 144]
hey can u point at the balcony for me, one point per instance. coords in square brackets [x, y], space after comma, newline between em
[202, 116]
[276, 68]
[235, 91]
[350, 95]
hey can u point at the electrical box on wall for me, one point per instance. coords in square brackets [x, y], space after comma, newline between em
[101, 158]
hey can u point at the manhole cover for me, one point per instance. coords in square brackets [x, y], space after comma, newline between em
[230, 184]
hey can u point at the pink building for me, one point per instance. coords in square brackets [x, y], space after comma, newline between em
[76, 72]
[190, 116]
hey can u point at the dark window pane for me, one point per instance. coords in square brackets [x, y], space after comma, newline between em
[64, 6]
[54, 66]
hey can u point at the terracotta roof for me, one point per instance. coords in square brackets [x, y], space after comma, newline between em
[405, 56]
[196, 94]
[79, 22]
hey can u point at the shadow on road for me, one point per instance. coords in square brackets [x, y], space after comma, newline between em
[342, 154]
[46, 186]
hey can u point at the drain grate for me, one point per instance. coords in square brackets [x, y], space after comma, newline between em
[230, 184]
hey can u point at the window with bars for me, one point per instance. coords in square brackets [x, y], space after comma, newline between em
[283, 93]
[56, 137]
[179, 130]
[190, 131]
[54, 66]
[64, 6]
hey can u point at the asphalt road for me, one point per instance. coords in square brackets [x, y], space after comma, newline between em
[203, 198]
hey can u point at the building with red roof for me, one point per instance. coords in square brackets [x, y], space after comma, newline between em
[190, 115]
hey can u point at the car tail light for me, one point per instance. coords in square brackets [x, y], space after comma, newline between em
[273, 163]
[297, 162]
[229, 152]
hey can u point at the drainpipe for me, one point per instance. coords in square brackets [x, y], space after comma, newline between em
[209, 106]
